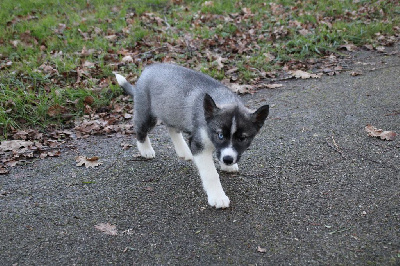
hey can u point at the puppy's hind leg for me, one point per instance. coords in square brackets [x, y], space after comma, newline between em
[143, 127]
[181, 148]
[145, 148]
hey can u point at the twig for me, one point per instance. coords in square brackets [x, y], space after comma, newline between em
[335, 146]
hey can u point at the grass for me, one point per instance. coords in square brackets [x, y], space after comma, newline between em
[53, 34]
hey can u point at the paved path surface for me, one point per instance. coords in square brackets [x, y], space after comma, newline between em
[313, 189]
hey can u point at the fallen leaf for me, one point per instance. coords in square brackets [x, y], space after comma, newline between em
[348, 47]
[304, 75]
[88, 64]
[84, 35]
[88, 162]
[369, 47]
[60, 29]
[127, 116]
[219, 63]
[3, 170]
[89, 100]
[56, 110]
[126, 146]
[127, 59]
[269, 57]
[208, 3]
[261, 250]
[48, 69]
[304, 32]
[13, 145]
[107, 229]
[92, 159]
[241, 89]
[273, 86]
[231, 71]
[112, 37]
[12, 163]
[380, 49]
[355, 73]
[379, 133]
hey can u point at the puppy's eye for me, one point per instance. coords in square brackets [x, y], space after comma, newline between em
[220, 136]
[242, 138]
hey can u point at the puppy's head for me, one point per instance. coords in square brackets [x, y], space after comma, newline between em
[231, 129]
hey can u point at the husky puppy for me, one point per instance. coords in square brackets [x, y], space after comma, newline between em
[194, 103]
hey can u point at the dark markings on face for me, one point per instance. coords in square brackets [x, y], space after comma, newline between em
[231, 132]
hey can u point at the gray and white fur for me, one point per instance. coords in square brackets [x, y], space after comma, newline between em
[194, 103]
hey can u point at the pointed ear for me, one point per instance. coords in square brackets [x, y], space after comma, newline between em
[259, 116]
[209, 107]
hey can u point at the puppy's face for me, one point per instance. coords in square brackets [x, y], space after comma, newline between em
[232, 130]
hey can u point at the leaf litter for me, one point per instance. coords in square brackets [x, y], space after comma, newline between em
[31, 143]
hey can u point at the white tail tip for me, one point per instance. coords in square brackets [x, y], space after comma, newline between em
[120, 79]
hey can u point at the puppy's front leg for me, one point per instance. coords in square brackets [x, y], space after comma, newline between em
[210, 179]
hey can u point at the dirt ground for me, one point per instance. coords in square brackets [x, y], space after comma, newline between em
[313, 189]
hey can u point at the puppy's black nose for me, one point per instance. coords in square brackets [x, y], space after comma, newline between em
[228, 160]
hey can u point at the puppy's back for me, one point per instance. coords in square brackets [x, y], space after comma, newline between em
[176, 93]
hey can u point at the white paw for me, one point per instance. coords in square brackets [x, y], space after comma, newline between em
[185, 156]
[229, 168]
[149, 154]
[145, 149]
[218, 201]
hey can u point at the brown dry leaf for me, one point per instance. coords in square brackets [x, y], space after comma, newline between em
[13, 145]
[84, 35]
[126, 146]
[368, 47]
[3, 170]
[127, 116]
[379, 133]
[48, 69]
[56, 109]
[219, 63]
[89, 100]
[60, 29]
[380, 49]
[112, 37]
[88, 64]
[348, 47]
[304, 32]
[88, 162]
[53, 154]
[12, 163]
[241, 89]
[261, 250]
[273, 86]
[107, 229]
[355, 73]
[304, 75]
[92, 159]
[231, 71]
[269, 57]
[208, 3]
[127, 59]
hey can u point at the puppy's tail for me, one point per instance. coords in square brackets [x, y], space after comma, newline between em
[128, 88]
